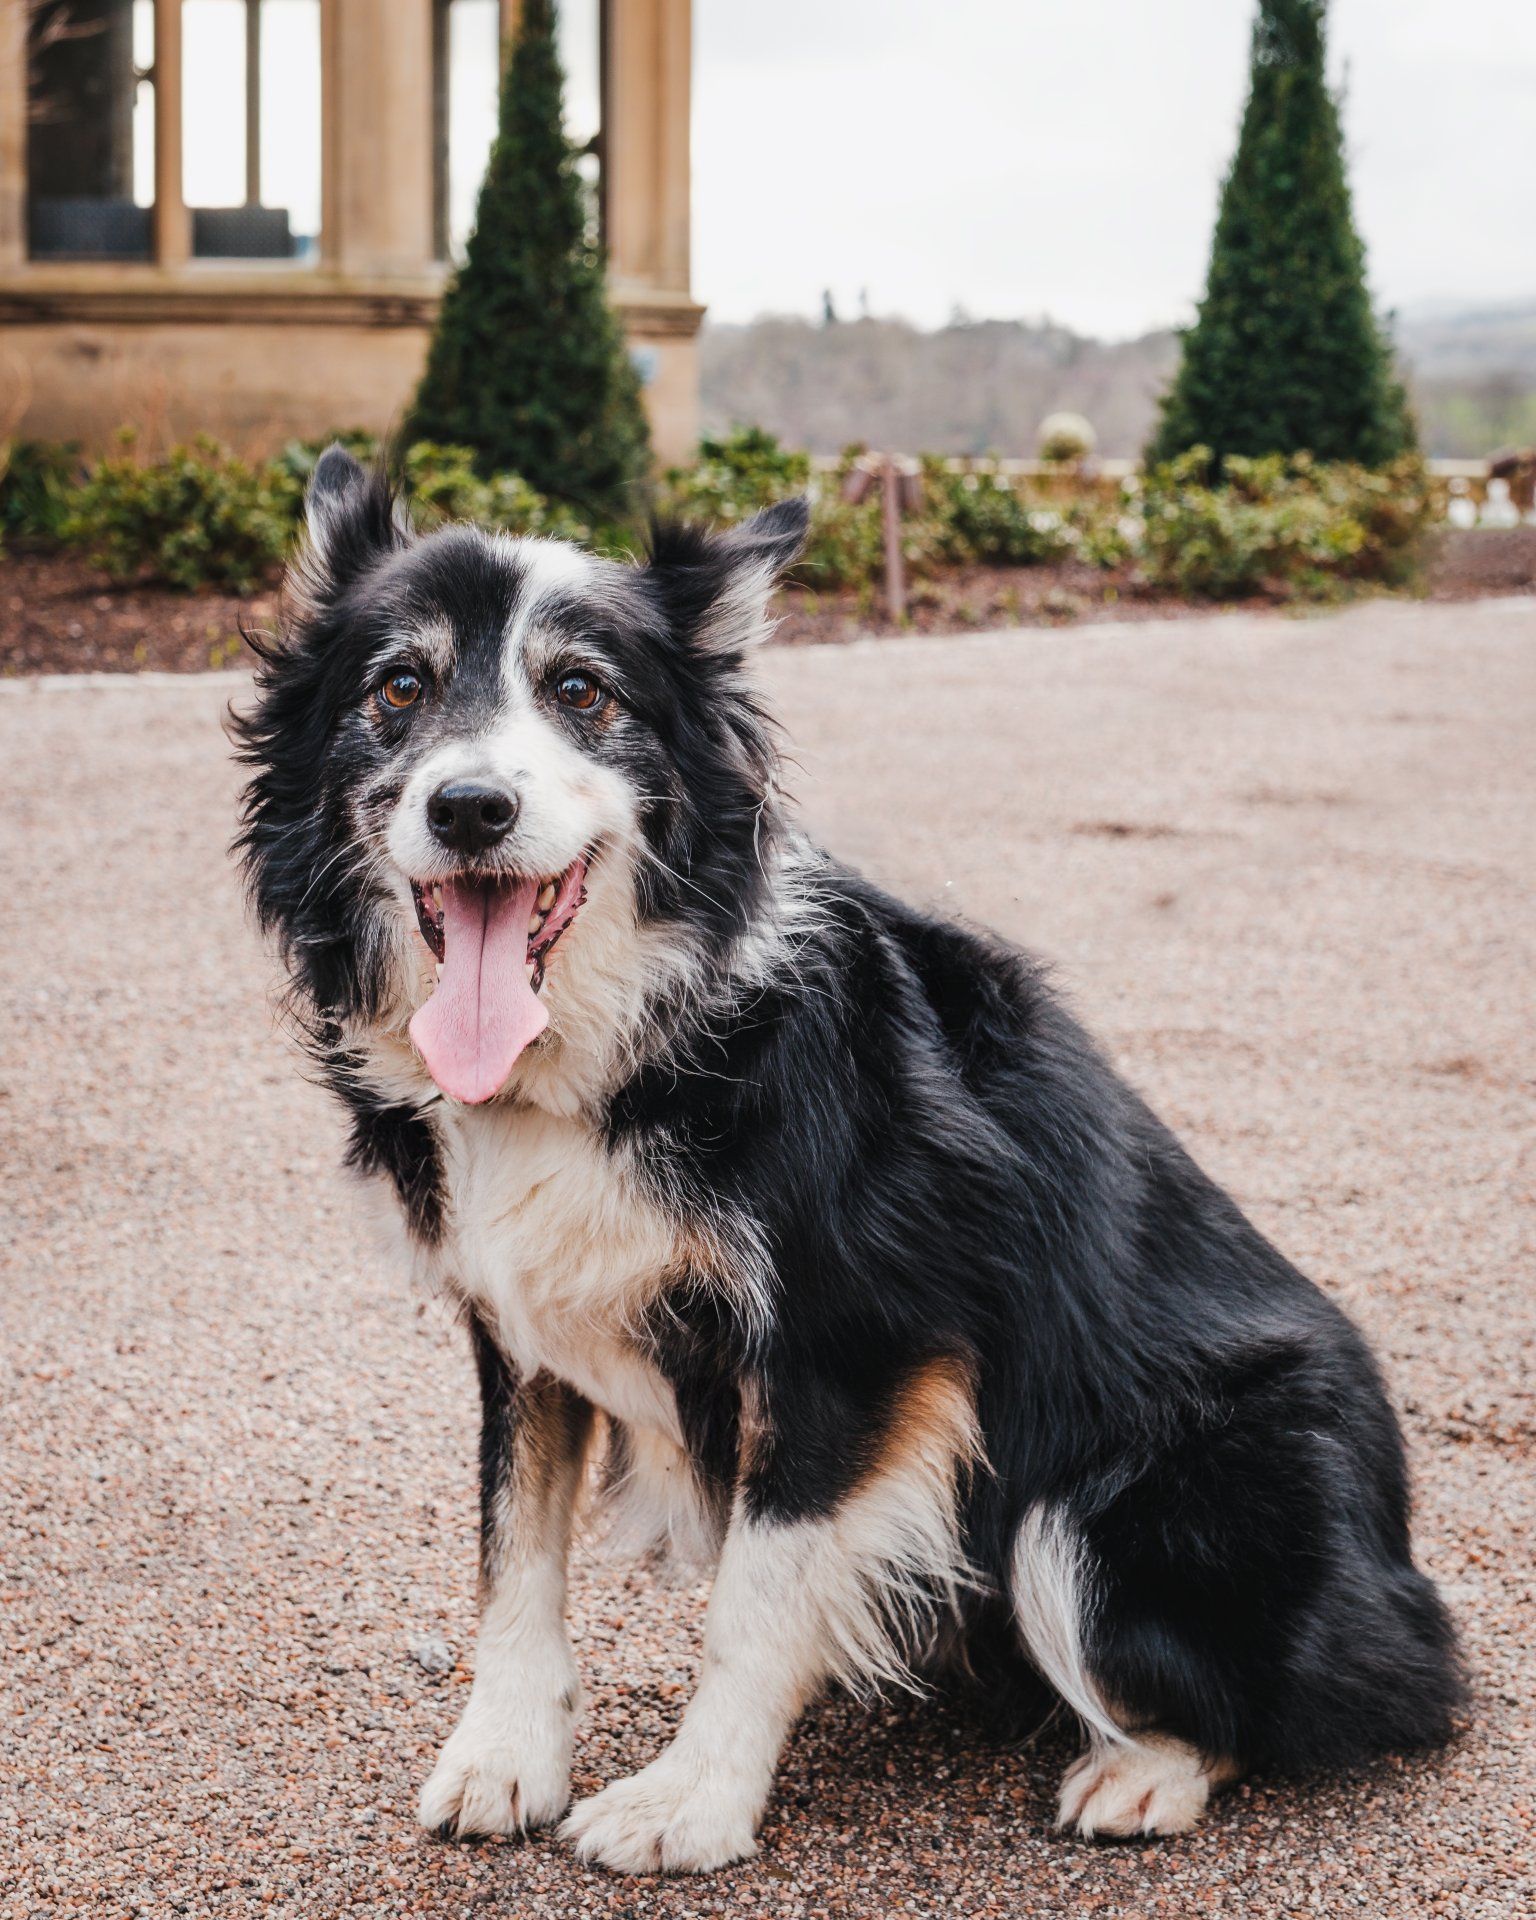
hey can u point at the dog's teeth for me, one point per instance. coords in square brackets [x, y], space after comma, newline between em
[547, 895]
[437, 898]
[535, 923]
[439, 966]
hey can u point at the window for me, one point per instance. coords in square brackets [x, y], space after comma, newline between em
[251, 127]
[90, 129]
[467, 62]
[581, 54]
[467, 35]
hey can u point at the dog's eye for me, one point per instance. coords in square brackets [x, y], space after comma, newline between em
[401, 690]
[579, 690]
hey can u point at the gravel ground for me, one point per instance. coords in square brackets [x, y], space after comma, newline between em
[1284, 867]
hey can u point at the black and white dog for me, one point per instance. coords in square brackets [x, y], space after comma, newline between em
[874, 1280]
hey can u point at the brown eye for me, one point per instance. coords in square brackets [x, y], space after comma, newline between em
[401, 690]
[578, 690]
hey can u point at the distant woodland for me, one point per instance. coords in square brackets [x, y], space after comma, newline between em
[984, 386]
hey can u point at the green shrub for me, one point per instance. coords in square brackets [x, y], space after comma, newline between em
[964, 518]
[441, 484]
[738, 473]
[528, 363]
[200, 518]
[996, 521]
[1287, 527]
[299, 458]
[197, 518]
[983, 517]
[1287, 353]
[36, 480]
[1109, 530]
[734, 475]
[845, 546]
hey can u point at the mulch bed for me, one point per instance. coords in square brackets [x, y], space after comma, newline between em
[58, 615]
[982, 599]
[1468, 564]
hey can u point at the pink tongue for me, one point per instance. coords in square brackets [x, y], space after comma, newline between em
[483, 1012]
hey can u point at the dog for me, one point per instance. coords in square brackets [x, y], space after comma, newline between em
[818, 1219]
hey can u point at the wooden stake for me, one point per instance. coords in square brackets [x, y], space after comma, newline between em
[890, 513]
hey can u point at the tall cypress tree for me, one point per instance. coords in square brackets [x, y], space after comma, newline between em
[528, 364]
[1287, 352]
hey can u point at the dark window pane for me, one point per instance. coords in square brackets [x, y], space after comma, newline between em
[90, 113]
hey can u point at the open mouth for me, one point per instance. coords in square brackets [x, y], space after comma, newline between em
[491, 935]
[553, 904]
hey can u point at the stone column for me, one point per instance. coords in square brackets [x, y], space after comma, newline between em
[13, 133]
[376, 140]
[173, 224]
[646, 89]
[253, 103]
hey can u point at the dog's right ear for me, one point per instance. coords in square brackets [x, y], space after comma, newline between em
[716, 587]
[352, 519]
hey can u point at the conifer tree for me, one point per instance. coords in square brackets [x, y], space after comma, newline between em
[528, 364]
[1287, 352]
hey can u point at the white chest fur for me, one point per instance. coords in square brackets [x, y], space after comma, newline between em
[553, 1239]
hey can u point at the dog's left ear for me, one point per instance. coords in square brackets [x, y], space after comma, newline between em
[352, 519]
[716, 586]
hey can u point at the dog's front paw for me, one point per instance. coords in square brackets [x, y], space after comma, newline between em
[664, 1819]
[1157, 1786]
[499, 1775]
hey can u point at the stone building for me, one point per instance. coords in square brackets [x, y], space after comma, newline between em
[237, 215]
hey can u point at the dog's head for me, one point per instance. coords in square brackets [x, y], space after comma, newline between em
[468, 748]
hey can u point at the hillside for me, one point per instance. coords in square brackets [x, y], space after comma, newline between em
[984, 386]
[1473, 375]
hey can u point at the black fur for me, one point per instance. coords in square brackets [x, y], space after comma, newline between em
[498, 1430]
[399, 1142]
[940, 1164]
[946, 1166]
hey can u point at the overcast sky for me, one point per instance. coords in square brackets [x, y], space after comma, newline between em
[1020, 157]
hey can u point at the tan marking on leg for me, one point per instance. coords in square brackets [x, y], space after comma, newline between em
[933, 1424]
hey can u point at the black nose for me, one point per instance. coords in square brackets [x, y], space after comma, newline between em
[470, 816]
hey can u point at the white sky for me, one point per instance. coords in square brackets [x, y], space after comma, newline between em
[1019, 157]
[1012, 157]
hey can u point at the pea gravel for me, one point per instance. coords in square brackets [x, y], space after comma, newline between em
[1285, 869]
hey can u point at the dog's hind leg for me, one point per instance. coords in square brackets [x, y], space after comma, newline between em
[1154, 1784]
[1125, 1782]
[507, 1765]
